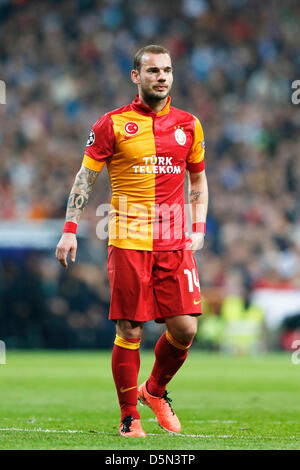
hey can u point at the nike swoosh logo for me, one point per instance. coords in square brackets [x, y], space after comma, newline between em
[122, 390]
[144, 399]
[196, 302]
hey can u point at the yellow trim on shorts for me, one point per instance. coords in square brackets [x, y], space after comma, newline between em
[123, 343]
[92, 164]
[176, 343]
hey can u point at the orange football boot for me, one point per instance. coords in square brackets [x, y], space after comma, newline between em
[131, 427]
[162, 409]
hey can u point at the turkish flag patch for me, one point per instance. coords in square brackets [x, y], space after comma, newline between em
[131, 128]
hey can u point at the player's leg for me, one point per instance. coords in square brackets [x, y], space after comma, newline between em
[131, 305]
[126, 365]
[125, 369]
[178, 290]
[171, 351]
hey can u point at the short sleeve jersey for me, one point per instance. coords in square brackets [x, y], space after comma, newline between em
[146, 154]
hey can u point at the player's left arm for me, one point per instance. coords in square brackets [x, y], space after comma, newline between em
[198, 198]
[198, 190]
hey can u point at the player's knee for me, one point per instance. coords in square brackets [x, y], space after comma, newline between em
[186, 335]
[129, 329]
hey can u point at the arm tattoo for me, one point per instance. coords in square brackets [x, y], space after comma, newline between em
[195, 195]
[80, 192]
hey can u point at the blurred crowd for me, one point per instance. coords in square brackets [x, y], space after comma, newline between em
[67, 62]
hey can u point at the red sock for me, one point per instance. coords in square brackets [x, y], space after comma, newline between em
[125, 368]
[170, 354]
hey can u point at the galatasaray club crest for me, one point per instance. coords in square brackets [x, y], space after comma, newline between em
[131, 128]
[180, 136]
[91, 139]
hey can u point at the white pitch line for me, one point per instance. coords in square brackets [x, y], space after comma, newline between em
[43, 430]
[199, 436]
[201, 421]
[77, 431]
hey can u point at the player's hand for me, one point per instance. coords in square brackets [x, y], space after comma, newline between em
[67, 244]
[197, 241]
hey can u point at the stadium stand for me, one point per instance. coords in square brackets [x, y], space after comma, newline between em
[65, 63]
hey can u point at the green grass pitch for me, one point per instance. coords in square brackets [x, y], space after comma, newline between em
[67, 400]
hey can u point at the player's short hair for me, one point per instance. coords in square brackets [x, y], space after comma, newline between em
[153, 49]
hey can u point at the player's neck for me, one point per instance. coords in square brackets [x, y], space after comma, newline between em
[156, 105]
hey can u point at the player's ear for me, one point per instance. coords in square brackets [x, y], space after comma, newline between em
[135, 77]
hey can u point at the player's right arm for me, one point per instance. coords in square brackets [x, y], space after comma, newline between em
[99, 147]
[78, 198]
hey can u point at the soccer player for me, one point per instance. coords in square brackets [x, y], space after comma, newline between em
[147, 146]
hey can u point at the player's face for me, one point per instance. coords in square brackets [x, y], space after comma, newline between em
[155, 77]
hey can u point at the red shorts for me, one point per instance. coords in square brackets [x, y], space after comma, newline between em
[152, 285]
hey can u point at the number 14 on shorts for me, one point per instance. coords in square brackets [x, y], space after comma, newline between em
[193, 280]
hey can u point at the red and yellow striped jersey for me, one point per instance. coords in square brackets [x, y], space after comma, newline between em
[146, 154]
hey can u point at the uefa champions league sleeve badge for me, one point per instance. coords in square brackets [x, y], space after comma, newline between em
[91, 139]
